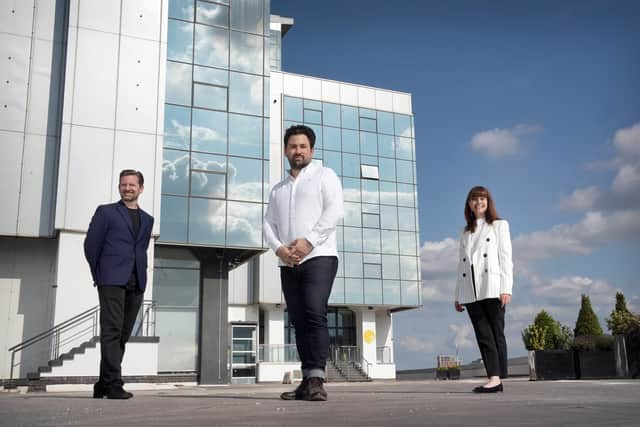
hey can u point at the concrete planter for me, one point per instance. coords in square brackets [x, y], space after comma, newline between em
[551, 365]
[596, 364]
[453, 373]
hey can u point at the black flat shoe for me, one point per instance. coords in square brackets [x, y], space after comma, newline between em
[98, 390]
[494, 389]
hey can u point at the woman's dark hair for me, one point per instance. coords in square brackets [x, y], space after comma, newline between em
[300, 130]
[127, 172]
[490, 215]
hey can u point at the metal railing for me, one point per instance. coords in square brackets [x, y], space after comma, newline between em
[279, 353]
[80, 328]
[350, 361]
[383, 355]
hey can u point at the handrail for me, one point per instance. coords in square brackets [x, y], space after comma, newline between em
[56, 331]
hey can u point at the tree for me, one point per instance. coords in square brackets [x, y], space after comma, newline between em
[546, 333]
[550, 327]
[587, 322]
[621, 320]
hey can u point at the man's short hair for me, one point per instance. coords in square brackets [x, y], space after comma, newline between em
[300, 130]
[127, 172]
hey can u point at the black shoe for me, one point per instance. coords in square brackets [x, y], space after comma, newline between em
[315, 390]
[98, 390]
[494, 389]
[117, 393]
[298, 394]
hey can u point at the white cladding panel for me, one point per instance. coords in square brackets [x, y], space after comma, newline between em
[10, 167]
[135, 151]
[401, 103]
[311, 88]
[99, 15]
[137, 85]
[94, 95]
[348, 94]
[384, 100]
[14, 63]
[16, 17]
[292, 85]
[330, 91]
[37, 189]
[46, 17]
[69, 76]
[141, 18]
[161, 88]
[89, 174]
[366, 97]
[43, 113]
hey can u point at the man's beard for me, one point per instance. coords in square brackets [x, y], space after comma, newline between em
[300, 165]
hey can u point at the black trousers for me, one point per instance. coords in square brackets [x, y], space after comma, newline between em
[487, 317]
[306, 289]
[119, 306]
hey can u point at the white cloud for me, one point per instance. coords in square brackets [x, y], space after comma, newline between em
[567, 290]
[416, 344]
[463, 336]
[627, 180]
[627, 140]
[581, 199]
[498, 143]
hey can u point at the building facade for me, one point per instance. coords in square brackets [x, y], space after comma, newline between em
[190, 92]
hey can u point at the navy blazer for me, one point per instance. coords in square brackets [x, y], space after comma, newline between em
[111, 248]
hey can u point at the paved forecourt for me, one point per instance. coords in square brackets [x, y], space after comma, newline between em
[404, 403]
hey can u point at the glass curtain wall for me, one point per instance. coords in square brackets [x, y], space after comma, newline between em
[215, 157]
[373, 152]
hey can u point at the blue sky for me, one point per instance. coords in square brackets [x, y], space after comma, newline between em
[537, 100]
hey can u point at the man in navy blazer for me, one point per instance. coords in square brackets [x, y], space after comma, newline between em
[116, 250]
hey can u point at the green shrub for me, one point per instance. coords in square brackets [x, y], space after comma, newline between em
[546, 333]
[534, 337]
[593, 342]
[563, 340]
[587, 322]
[621, 320]
[604, 342]
[550, 326]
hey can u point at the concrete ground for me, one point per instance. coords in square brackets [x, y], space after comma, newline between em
[404, 403]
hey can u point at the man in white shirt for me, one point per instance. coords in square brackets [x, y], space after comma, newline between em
[300, 227]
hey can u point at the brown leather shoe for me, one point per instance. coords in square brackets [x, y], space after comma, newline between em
[315, 390]
[298, 394]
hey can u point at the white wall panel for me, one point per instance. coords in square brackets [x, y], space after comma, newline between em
[270, 287]
[44, 93]
[101, 15]
[141, 18]
[137, 85]
[89, 174]
[164, 21]
[157, 189]
[161, 88]
[14, 66]
[10, 166]
[74, 6]
[311, 88]
[348, 94]
[46, 18]
[16, 17]
[366, 97]
[401, 103]
[69, 75]
[63, 171]
[292, 85]
[330, 91]
[94, 95]
[36, 195]
[384, 100]
[135, 151]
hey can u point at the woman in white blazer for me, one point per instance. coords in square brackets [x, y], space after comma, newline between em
[484, 282]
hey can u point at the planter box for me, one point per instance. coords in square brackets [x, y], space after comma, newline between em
[441, 375]
[596, 364]
[453, 373]
[633, 353]
[552, 365]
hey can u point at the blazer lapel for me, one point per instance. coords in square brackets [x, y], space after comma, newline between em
[125, 216]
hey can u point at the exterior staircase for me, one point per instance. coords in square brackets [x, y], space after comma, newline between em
[59, 361]
[345, 371]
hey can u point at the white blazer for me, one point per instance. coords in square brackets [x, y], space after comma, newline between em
[491, 261]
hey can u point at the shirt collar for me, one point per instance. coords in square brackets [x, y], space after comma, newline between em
[304, 170]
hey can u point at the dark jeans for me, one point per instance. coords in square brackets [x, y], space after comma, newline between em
[119, 306]
[306, 289]
[487, 317]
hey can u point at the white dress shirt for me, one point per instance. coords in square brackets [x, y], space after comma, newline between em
[307, 206]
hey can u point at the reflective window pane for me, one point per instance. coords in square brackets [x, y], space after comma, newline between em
[313, 104]
[247, 15]
[405, 195]
[333, 160]
[352, 264]
[386, 145]
[331, 114]
[351, 189]
[337, 291]
[207, 96]
[410, 293]
[177, 127]
[390, 267]
[208, 162]
[175, 172]
[408, 222]
[408, 245]
[350, 141]
[388, 193]
[317, 130]
[389, 217]
[404, 171]
[387, 169]
[178, 90]
[370, 191]
[211, 46]
[208, 184]
[391, 292]
[370, 220]
[371, 208]
[173, 219]
[369, 143]
[181, 9]
[246, 53]
[371, 240]
[245, 135]
[209, 131]
[332, 139]
[389, 241]
[373, 291]
[402, 125]
[367, 113]
[349, 117]
[180, 41]
[245, 179]
[293, 109]
[312, 116]
[212, 14]
[351, 165]
[408, 268]
[385, 122]
[171, 286]
[213, 76]
[244, 224]
[353, 291]
[207, 221]
[404, 148]
[245, 94]
[367, 124]
[353, 240]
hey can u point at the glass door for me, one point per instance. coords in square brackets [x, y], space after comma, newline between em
[243, 353]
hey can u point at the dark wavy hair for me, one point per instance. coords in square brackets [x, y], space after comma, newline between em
[490, 215]
[300, 130]
[133, 172]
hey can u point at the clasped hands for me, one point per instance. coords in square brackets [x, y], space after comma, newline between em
[294, 252]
